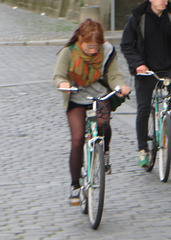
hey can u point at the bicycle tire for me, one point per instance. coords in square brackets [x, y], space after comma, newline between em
[83, 201]
[84, 182]
[165, 149]
[83, 194]
[151, 141]
[96, 190]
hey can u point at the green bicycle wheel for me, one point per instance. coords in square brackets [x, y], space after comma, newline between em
[165, 149]
[97, 187]
[151, 141]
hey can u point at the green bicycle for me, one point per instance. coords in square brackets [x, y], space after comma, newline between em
[93, 172]
[92, 178]
[159, 127]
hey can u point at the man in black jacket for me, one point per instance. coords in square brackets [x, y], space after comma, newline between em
[146, 45]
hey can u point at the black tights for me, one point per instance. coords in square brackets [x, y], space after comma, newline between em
[76, 117]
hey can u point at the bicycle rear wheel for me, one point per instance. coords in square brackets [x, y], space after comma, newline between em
[97, 187]
[151, 141]
[165, 149]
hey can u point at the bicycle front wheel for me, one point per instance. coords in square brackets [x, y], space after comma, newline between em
[84, 181]
[97, 187]
[165, 149]
[151, 141]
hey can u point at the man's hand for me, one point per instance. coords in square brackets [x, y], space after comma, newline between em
[142, 69]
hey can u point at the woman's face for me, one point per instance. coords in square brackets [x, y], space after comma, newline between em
[90, 48]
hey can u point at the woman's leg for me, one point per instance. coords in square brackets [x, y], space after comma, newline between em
[76, 119]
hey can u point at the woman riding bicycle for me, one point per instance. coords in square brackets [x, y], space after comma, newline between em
[87, 60]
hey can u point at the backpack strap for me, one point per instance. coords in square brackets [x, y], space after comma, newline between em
[110, 59]
[103, 81]
[142, 25]
[169, 15]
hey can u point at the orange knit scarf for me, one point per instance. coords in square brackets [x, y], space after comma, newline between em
[85, 69]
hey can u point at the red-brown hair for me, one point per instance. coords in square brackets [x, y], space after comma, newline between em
[90, 31]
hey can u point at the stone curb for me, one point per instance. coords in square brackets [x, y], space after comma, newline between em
[113, 37]
[35, 43]
[59, 42]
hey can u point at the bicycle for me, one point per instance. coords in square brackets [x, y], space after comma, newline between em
[92, 179]
[159, 127]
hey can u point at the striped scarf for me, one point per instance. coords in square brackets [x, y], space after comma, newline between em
[85, 69]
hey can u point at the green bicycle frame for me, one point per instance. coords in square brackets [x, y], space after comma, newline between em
[159, 119]
[91, 124]
[92, 136]
[157, 122]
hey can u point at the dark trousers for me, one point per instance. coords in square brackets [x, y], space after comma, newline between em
[144, 87]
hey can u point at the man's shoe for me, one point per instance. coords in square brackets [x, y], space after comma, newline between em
[108, 166]
[143, 159]
[74, 198]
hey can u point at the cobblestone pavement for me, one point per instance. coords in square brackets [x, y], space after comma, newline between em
[34, 146]
[23, 26]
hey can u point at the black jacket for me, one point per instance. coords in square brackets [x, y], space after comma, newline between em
[133, 44]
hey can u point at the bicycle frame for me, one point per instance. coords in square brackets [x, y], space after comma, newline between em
[155, 103]
[159, 116]
[91, 135]
[157, 122]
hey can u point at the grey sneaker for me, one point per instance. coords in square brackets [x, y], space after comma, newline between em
[108, 166]
[74, 198]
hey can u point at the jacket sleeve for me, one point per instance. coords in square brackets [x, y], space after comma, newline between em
[62, 67]
[129, 45]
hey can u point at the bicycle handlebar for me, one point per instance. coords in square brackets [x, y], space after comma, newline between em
[117, 90]
[76, 89]
[71, 89]
[166, 81]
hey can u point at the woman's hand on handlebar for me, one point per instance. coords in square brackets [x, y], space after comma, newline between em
[124, 91]
[64, 85]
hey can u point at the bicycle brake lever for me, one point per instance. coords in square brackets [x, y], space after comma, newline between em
[128, 95]
[79, 88]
